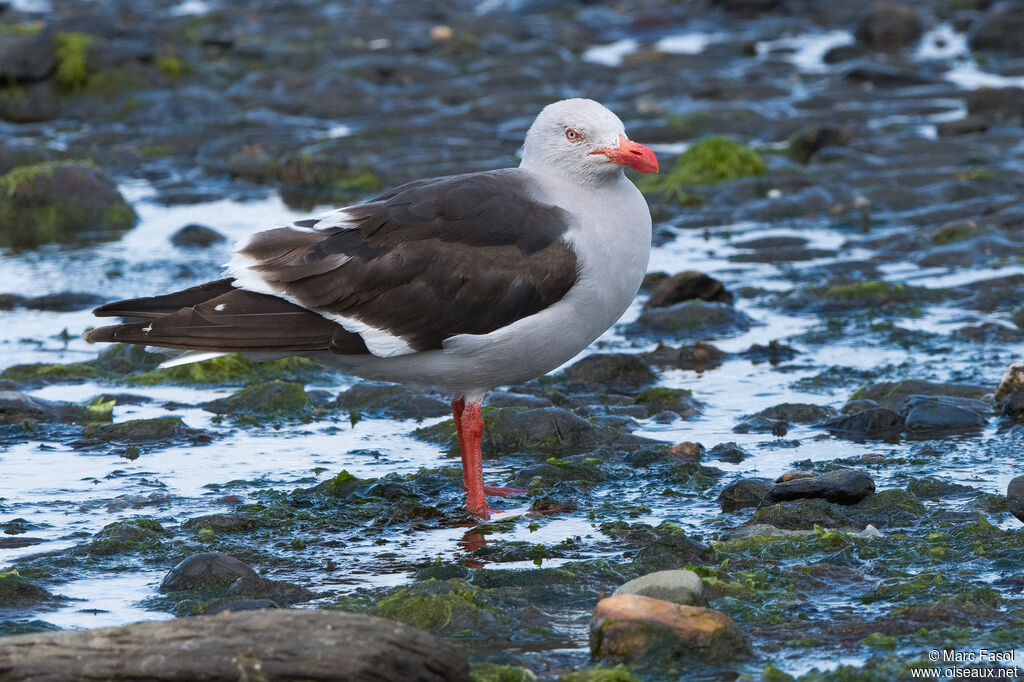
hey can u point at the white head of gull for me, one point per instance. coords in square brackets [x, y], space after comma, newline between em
[463, 283]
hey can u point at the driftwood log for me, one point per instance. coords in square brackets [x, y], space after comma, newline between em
[248, 646]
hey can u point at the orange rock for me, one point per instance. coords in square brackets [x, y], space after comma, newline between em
[687, 452]
[793, 475]
[632, 626]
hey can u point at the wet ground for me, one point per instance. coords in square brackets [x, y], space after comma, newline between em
[882, 243]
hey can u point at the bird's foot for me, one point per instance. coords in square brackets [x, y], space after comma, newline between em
[502, 492]
[481, 510]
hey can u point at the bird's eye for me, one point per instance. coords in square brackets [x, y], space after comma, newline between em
[573, 135]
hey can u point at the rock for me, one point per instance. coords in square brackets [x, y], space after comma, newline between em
[691, 319]
[60, 201]
[699, 356]
[676, 400]
[686, 452]
[795, 475]
[26, 56]
[1000, 29]
[805, 143]
[1015, 497]
[679, 586]
[615, 372]
[888, 508]
[728, 452]
[17, 407]
[889, 26]
[198, 236]
[842, 486]
[157, 429]
[391, 401]
[892, 394]
[63, 302]
[844, 53]
[687, 286]
[31, 103]
[990, 332]
[887, 77]
[746, 492]
[937, 418]
[963, 126]
[275, 644]
[876, 422]
[15, 590]
[756, 424]
[209, 570]
[668, 547]
[774, 353]
[634, 627]
[1013, 380]
[270, 399]
[1013, 406]
[801, 413]
[997, 105]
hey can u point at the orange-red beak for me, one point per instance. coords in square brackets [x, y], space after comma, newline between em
[631, 154]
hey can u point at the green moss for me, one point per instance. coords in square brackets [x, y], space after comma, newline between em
[619, 673]
[169, 65]
[15, 589]
[494, 672]
[864, 290]
[132, 535]
[226, 369]
[42, 371]
[270, 399]
[72, 60]
[432, 604]
[956, 233]
[27, 29]
[360, 181]
[100, 410]
[659, 398]
[715, 160]
[140, 430]
[880, 641]
[342, 483]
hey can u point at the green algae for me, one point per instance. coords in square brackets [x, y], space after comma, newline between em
[495, 672]
[17, 590]
[133, 535]
[228, 369]
[50, 373]
[435, 605]
[619, 673]
[156, 429]
[270, 399]
[957, 232]
[709, 162]
[170, 66]
[659, 399]
[72, 60]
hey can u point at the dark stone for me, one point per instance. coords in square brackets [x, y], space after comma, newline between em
[889, 508]
[17, 407]
[844, 53]
[929, 488]
[1000, 29]
[157, 429]
[26, 57]
[197, 236]
[871, 423]
[64, 302]
[272, 398]
[1015, 497]
[691, 319]
[206, 571]
[990, 332]
[670, 550]
[800, 413]
[774, 353]
[728, 452]
[889, 26]
[963, 126]
[805, 143]
[687, 286]
[888, 77]
[842, 486]
[234, 605]
[999, 105]
[698, 357]
[391, 401]
[1013, 406]
[746, 492]
[758, 424]
[222, 523]
[30, 103]
[615, 372]
[936, 418]
[892, 394]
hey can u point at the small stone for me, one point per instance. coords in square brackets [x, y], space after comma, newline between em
[205, 571]
[1013, 380]
[796, 475]
[746, 492]
[687, 286]
[1015, 497]
[698, 357]
[1013, 406]
[877, 422]
[678, 586]
[728, 452]
[633, 627]
[1000, 29]
[197, 236]
[842, 486]
[615, 372]
[941, 418]
[800, 413]
[692, 318]
[687, 452]
[889, 26]
[26, 57]
[804, 144]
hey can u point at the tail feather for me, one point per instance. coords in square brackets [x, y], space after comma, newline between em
[159, 306]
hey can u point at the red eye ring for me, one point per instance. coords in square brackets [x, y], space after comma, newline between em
[573, 135]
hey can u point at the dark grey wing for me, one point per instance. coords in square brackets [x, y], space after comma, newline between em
[464, 254]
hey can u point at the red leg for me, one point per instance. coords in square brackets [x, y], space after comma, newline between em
[502, 492]
[458, 406]
[472, 461]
